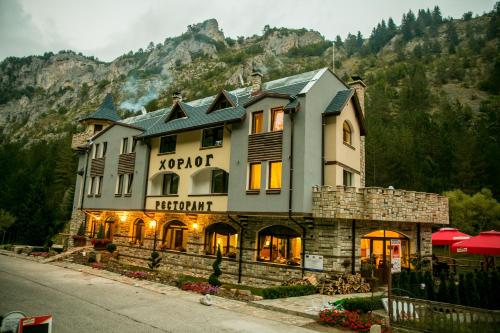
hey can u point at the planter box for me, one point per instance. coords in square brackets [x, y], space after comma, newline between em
[100, 244]
[79, 241]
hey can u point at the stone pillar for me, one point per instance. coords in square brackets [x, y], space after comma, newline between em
[77, 218]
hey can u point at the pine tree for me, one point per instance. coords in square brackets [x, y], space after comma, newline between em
[213, 279]
[154, 260]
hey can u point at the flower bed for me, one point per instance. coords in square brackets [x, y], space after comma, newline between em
[200, 287]
[40, 254]
[141, 275]
[352, 320]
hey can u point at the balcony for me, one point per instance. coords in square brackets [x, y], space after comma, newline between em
[379, 204]
[79, 140]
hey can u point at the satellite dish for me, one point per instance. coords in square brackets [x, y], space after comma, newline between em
[10, 321]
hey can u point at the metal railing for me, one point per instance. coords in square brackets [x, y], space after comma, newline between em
[436, 317]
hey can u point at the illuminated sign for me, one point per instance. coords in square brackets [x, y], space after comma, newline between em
[187, 205]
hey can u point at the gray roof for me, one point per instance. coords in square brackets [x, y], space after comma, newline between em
[106, 111]
[154, 123]
[339, 101]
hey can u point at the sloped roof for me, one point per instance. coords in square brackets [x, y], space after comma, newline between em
[106, 111]
[156, 123]
[339, 101]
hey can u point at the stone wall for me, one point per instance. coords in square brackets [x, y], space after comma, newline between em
[77, 218]
[379, 204]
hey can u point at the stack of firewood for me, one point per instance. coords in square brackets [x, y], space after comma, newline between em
[306, 280]
[343, 283]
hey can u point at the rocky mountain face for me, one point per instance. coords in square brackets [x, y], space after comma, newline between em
[41, 97]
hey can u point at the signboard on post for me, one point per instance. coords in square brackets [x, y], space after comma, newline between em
[396, 255]
[40, 324]
[313, 262]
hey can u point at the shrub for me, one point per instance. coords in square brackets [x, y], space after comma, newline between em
[363, 304]
[288, 291]
[92, 257]
[213, 279]
[100, 233]
[111, 247]
[154, 260]
[442, 295]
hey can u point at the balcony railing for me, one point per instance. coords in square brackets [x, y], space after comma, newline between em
[379, 204]
[79, 140]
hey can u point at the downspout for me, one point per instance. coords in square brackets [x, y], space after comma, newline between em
[148, 155]
[290, 195]
[323, 125]
[240, 260]
[87, 152]
[353, 247]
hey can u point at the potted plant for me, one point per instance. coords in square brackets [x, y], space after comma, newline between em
[79, 239]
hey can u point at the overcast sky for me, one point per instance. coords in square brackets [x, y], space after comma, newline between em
[109, 28]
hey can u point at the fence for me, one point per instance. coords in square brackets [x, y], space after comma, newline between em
[436, 317]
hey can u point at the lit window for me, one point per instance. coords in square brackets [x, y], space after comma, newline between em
[254, 176]
[212, 137]
[275, 175]
[170, 184]
[175, 236]
[168, 143]
[281, 245]
[257, 122]
[277, 119]
[138, 233]
[98, 186]
[119, 184]
[124, 146]
[347, 133]
[220, 181]
[221, 235]
[104, 149]
[348, 179]
[130, 180]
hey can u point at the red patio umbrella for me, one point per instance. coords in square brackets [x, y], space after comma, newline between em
[448, 236]
[486, 243]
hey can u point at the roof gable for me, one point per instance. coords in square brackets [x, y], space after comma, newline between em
[339, 102]
[105, 111]
[178, 111]
[223, 100]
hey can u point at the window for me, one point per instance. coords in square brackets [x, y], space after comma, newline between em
[347, 133]
[275, 175]
[220, 179]
[98, 187]
[108, 228]
[223, 103]
[170, 184]
[168, 143]
[212, 137]
[138, 231]
[254, 176]
[91, 186]
[96, 151]
[277, 119]
[257, 122]
[104, 149]
[175, 236]
[281, 245]
[119, 184]
[221, 235]
[97, 128]
[348, 179]
[130, 180]
[134, 143]
[176, 113]
[124, 146]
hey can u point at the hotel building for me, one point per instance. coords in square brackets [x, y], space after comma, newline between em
[273, 173]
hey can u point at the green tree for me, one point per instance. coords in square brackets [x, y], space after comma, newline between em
[213, 279]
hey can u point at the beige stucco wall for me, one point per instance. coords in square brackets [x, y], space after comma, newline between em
[188, 147]
[340, 153]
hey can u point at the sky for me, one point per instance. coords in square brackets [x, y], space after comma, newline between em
[109, 28]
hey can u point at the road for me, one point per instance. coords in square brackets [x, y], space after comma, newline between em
[81, 302]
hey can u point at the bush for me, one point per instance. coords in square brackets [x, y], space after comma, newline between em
[154, 260]
[111, 247]
[363, 304]
[288, 291]
[213, 279]
[100, 233]
[92, 257]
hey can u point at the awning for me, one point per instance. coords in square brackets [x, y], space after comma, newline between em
[448, 236]
[486, 243]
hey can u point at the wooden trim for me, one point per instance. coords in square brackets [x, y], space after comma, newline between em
[348, 168]
[126, 163]
[265, 146]
[97, 166]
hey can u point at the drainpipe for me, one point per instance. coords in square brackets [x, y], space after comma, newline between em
[290, 195]
[353, 246]
[146, 165]
[323, 125]
[87, 152]
[240, 260]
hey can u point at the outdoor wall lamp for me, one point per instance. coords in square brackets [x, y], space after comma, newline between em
[123, 217]
[152, 224]
[195, 226]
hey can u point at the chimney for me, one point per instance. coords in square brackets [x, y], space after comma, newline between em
[358, 85]
[176, 97]
[256, 82]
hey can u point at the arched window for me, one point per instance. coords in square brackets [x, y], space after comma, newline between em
[109, 227]
[164, 183]
[209, 181]
[223, 235]
[347, 133]
[174, 236]
[280, 244]
[138, 232]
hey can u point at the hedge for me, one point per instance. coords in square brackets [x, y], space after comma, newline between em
[363, 304]
[288, 291]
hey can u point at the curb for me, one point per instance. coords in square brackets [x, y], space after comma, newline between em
[283, 310]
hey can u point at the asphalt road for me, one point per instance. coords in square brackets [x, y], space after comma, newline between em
[80, 302]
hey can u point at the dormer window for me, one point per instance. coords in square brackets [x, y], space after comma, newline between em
[177, 112]
[222, 104]
[347, 133]
[221, 101]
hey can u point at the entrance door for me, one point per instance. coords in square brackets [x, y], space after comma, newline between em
[178, 238]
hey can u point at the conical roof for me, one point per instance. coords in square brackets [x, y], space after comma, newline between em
[106, 111]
